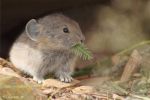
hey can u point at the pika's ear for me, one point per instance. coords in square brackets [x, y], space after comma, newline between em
[32, 29]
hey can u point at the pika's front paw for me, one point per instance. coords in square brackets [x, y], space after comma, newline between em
[64, 77]
[38, 80]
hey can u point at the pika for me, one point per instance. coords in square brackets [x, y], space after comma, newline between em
[44, 47]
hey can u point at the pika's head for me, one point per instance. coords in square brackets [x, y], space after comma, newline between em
[54, 31]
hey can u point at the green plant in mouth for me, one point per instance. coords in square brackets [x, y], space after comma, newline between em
[81, 51]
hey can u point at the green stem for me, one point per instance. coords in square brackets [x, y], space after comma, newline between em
[134, 46]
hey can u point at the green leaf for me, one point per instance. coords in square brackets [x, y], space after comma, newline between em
[81, 51]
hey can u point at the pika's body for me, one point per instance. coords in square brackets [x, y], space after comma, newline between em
[45, 47]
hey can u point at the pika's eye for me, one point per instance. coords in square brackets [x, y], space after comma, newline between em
[66, 30]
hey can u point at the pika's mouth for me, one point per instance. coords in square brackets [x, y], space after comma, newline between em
[81, 50]
[74, 44]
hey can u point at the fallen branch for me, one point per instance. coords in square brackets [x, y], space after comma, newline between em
[131, 66]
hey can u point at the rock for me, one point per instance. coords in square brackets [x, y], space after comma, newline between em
[1, 66]
[96, 82]
[117, 97]
[58, 84]
[49, 91]
[8, 71]
[12, 88]
[5, 63]
[83, 89]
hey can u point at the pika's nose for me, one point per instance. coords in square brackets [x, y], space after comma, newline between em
[82, 41]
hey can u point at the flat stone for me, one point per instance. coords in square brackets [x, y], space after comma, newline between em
[58, 84]
[96, 81]
[12, 88]
[8, 71]
[83, 89]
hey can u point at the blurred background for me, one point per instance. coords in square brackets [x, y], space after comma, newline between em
[109, 25]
